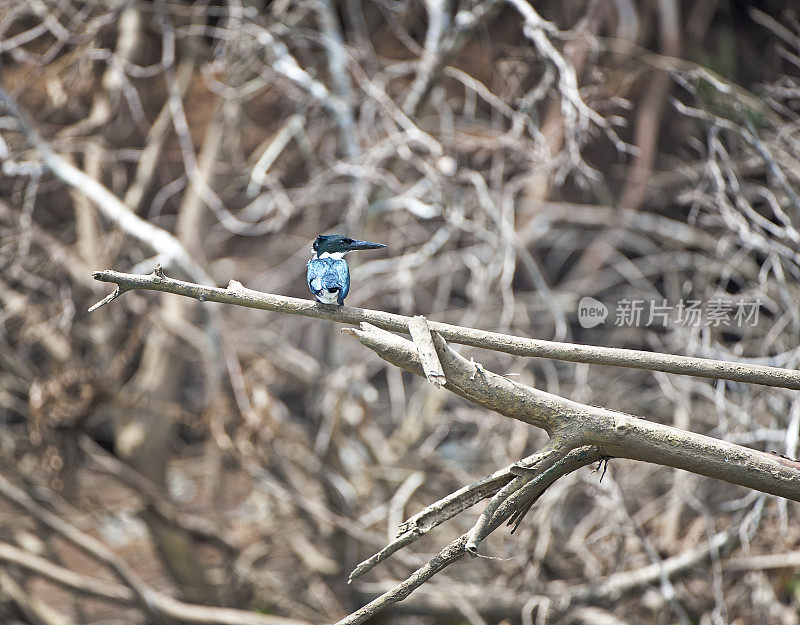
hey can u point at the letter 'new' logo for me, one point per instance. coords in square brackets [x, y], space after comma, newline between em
[591, 313]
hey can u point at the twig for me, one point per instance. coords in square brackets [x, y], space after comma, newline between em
[788, 560]
[107, 299]
[446, 508]
[157, 239]
[594, 616]
[619, 583]
[431, 60]
[399, 500]
[518, 346]
[34, 610]
[522, 500]
[439, 49]
[198, 172]
[258, 175]
[282, 62]
[456, 549]
[337, 65]
[198, 526]
[555, 449]
[83, 584]
[156, 137]
[434, 515]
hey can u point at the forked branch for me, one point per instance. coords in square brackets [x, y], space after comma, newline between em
[572, 424]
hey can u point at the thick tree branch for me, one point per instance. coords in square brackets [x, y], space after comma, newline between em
[617, 434]
[519, 346]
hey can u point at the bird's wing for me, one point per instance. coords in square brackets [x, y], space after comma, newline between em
[341, 271]
[315, 274]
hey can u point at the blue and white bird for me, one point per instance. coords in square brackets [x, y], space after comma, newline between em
[328, 275]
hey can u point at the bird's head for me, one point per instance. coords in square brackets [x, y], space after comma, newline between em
[339, 244]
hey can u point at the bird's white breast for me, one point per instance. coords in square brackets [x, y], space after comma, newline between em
[328, 298]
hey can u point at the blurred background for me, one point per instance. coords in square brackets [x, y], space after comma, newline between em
[515, 159]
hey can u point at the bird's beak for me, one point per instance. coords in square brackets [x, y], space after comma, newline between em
[364, 245]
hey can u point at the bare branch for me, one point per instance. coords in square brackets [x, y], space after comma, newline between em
[518, 346]
[198, 526]
[337, 65]
[453, 552]
[456, 549]
[285, 64]
[446, 508]
[555, 449]
[34, 610]
[162, 242]
[421, 335]
[83, 584]
[620, 583]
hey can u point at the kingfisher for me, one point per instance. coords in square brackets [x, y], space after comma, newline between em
[328, 275]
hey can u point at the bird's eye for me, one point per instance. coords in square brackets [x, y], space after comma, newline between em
[348, 241]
